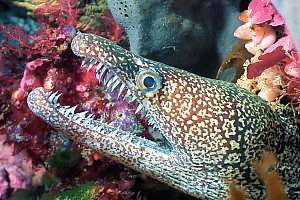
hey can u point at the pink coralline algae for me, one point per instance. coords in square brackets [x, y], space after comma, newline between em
[274, 54]
[15, 169]
[263, 11]
[44, 59]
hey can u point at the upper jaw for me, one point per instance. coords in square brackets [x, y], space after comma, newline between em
[105, 51]
[114, 84]
[117, 68]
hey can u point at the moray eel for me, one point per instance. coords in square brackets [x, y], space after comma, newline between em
[212, 130]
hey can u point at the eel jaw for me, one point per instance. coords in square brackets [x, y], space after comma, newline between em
[46, 106]
[136, 152]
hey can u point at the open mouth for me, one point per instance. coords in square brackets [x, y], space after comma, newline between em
[109, 79]
[50, 107]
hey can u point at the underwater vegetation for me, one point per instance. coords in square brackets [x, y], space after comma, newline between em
[16, 170]
[273, 71]
[37, 161]
[43, 58]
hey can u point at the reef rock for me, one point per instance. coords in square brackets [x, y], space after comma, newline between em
[194, 34]
[15, 169]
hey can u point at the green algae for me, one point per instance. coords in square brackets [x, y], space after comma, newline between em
[63, 160]
[87, 191]
[90, 20]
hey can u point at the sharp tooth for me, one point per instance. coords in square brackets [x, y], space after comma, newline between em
[150, 122]
[128, 93]
[116, 83]
[97, 75]
[77, 119]
[84, 62]
[148, 116]
[63, 109]
[86, 121]
[139, 108]
[121, 89]
[108, 79]
[101, 73]
[55, 99]
[99, 67]
[82, 114]
[144, 113]
[133, 98]
[52, 96]
[91, 64]
[91, 116]
[111, 82]
[47, 94]
[70, 110]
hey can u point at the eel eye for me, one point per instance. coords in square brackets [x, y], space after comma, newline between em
[148, 81]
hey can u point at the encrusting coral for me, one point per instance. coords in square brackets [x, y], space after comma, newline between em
[16, 170]
[44, 59]
[273, 72]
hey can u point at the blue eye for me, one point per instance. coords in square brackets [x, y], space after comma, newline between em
[149, 82]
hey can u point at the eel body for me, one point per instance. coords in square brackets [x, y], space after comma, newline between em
[212, 130]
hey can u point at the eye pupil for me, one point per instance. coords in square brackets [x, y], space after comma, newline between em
[149, 82]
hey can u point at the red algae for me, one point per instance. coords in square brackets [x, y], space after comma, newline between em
[272, 47]
[44, 59]
[263, 11]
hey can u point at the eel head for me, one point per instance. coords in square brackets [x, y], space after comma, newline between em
[211, 130]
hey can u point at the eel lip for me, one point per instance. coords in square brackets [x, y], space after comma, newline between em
[35, 99]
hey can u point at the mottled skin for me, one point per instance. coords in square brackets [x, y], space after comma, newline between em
[213, 130]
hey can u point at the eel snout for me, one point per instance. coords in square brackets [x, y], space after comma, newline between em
[94, 47]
